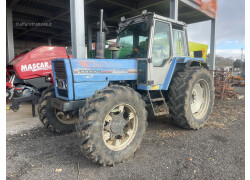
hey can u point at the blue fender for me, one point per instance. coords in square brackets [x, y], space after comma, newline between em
[178, 60]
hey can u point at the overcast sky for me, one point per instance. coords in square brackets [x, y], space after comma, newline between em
[230, 29]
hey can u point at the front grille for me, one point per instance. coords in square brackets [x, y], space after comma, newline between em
[62, 92]
[59, 68]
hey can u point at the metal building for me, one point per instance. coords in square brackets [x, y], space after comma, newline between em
[32, 23]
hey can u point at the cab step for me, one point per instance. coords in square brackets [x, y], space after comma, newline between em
[161, 113]
[158, 99]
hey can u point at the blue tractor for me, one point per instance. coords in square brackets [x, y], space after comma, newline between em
[104, 99]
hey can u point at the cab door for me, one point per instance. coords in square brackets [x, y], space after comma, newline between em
[160, 52]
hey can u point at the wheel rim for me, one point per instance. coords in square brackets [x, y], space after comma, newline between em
[200, 98]
[65, 117]
[119, 127]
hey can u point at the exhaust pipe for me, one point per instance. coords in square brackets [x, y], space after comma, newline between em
[100, 39]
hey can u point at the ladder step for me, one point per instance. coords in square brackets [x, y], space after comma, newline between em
[157, 99]
[161, 113]
[161, 98]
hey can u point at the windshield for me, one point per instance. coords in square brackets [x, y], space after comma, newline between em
[133, 41]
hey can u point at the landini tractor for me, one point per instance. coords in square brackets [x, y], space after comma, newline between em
[105, 99]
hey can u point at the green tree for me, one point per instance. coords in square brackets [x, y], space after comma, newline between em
[237, 63]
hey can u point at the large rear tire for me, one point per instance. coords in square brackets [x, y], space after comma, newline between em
[191, 97]
[52, 119]
[111, 125]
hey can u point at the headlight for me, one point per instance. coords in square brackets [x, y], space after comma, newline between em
[61, 84]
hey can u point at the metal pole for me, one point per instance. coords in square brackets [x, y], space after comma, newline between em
[10, 39]
[213, 44]
[89, 37]
[174, 9]
[77, 28]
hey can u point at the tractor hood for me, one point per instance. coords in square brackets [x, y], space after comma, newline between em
[103, 69]
[80, 78]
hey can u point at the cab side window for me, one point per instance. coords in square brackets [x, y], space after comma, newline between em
[161, 44]
[180, 48]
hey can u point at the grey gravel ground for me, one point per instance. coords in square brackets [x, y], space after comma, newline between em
[167, 152]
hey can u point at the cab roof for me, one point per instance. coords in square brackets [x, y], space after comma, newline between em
[146, 17]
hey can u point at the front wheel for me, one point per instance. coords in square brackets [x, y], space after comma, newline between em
[54, 120]
[111, 125]
[191, 97]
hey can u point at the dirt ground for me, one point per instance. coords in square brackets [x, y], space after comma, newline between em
[217, 151]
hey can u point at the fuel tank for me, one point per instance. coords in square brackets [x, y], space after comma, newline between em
[37, 63]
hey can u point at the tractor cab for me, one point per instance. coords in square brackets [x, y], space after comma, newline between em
[154, 41]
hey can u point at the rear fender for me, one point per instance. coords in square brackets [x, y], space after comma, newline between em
[180, 63]
[196, 63]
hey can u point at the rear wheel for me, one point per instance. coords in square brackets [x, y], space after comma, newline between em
[111, 125]
[54, 120]
[191, 97]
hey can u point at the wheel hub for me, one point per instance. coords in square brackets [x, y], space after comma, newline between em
[117, 124]
[120, 126]
[197, 96]
[200, 99]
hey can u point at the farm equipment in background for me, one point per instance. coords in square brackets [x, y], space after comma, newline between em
[236, 79]
[223, 89]
[27, 73]
[104, 99]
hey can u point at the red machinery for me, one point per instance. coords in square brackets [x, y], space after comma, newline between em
[30, 73]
